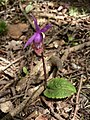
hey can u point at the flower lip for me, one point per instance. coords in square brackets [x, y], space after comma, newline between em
[38, 38]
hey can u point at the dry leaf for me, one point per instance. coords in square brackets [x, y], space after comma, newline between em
[14, 45]
[6, 106]
[15, 31]
[41, 117]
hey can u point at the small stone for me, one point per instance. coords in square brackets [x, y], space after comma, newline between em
[60, 8]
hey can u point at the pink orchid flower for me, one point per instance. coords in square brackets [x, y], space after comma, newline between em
[37, 39]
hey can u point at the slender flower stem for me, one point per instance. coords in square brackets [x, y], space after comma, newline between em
[44, 69]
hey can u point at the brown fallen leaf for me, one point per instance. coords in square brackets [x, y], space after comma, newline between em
[41, 117]
[6, 106]
[15, 30]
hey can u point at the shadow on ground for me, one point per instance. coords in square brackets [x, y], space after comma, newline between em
[80, 4]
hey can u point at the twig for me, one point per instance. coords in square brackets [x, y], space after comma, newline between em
[73, 49]
[19, 108]
[53, 38]
[27, 102]
[6, 86]
[24, 13]
[34, 96]
[11, 64]
[41, 88]
[8, 99]
[4, 93]
[54, 114]
[52, 16]
[57, 116]
[44, 69]
[77, 100]
[3, 59]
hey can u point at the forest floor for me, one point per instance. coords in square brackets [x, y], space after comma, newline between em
[67, 51]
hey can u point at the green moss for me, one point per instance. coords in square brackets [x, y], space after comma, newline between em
[3, 27]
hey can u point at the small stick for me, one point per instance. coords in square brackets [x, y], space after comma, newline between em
[74, 49]
[44, 69]
[77, 99]
[54, 114]
[11, 64]
[6, 86]
[27, 101]
[27, 17]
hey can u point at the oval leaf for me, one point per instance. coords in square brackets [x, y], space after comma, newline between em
[25, 70]
[28, 8]
[59, 88]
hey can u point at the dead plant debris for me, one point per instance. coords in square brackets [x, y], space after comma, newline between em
[67, 54]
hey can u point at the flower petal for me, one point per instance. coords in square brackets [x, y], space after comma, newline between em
[44, 29]
[36, 24]
[30, 40]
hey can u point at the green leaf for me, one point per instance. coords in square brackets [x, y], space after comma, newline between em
[25, 70]
[28, 8]
[73, 12]
[70, 38]
[59, 88]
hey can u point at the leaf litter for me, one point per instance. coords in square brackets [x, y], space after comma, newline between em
[75, 63]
